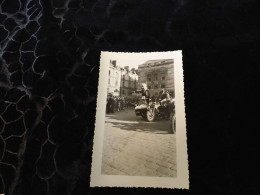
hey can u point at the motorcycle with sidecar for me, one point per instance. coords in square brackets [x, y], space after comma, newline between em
[157, 109]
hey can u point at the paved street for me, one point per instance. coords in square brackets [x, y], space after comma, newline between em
[133, 146]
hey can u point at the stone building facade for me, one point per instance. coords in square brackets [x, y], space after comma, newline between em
[158, 75]
[114, 79]
[129, 81]
[121, 81]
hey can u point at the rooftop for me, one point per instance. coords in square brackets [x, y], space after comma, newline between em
[156, 62]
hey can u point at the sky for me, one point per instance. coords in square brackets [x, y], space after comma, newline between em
[134, 59]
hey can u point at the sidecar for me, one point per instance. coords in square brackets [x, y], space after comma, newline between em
[147, 111]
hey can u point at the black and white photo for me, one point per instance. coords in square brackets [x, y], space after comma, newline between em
[140, 135]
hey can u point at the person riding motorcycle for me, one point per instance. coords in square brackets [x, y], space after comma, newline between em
[145, 93]
[165, 99]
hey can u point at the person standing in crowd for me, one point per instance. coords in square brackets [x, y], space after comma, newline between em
[115, 103]
[108, 104]
[123, 103]
[118, 104]
[112, 105]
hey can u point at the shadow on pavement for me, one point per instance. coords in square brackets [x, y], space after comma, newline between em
[122, 115]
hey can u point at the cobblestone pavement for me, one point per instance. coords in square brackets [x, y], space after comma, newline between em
[133, 146]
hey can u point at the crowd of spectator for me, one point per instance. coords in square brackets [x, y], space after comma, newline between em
[118, 103]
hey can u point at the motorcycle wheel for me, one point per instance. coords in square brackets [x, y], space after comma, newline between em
[173, 123]
[150, 115]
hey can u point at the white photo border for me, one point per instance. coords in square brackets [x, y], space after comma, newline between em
[182, 179]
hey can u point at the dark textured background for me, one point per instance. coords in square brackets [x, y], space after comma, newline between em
[49, 57]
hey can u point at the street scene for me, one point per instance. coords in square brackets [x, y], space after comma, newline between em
[135, 147]
[139, 134]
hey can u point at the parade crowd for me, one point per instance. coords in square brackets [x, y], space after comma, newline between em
[117, 103]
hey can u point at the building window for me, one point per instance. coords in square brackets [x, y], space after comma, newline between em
[163, 78]
[116, 83]
[109, 81]
[155, 86]
[155, 77]
[109, 72]
[162, 85]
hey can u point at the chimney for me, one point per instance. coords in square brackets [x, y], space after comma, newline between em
[113, 62]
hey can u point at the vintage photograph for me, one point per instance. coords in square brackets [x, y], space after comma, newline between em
[138, 119]
[138, 132]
